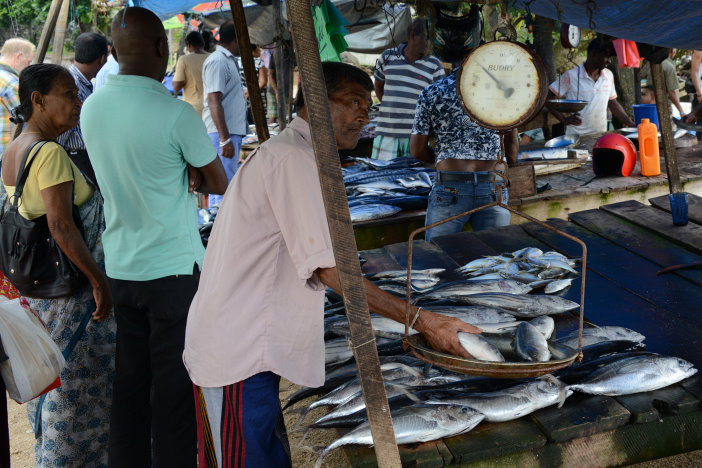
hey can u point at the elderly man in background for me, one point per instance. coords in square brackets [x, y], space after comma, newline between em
[594, 83]
[400, 75]
[90, 56]
[224, 109]
[188, 72]
[16, 55]
[149, 152]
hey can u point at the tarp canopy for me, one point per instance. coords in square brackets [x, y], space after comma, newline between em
[372, 28]
[674, 23]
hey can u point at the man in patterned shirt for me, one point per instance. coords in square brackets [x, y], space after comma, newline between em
[465, 155]
[90, 56]
[400, 75]
[16, 54]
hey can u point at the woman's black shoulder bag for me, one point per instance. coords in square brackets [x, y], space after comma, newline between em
[30, 258]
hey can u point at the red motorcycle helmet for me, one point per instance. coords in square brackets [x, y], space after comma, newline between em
[613, 155]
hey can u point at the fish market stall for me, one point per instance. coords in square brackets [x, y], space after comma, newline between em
[631, 313]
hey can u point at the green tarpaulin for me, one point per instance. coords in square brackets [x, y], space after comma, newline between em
[329, 27]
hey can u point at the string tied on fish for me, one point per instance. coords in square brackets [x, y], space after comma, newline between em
[416, 316]
[372, 340]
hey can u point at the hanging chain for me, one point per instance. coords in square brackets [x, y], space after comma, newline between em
[13, 18]
[590, 8]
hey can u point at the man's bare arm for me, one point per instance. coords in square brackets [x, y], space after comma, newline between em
[214, 102]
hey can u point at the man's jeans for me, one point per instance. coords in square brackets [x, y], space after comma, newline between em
[451, 198]
[153, 414]
[230, 165]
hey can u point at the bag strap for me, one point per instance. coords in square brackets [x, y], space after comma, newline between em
[66, 354]
[23, 172]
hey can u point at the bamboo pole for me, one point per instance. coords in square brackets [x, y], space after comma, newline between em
[341, 230]
[280, 76]
[60, 33]
[664, 122]
[242, 37]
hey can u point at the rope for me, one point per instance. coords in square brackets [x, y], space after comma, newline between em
[13, 18]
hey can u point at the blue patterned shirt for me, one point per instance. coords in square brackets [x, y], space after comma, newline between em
[73, 139]
[457, 136]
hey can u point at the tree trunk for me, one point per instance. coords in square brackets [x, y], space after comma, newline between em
[624, 84]
[543, 44]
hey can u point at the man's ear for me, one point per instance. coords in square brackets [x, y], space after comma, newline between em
[162, 47]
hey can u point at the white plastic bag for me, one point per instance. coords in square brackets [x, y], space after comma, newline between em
[35, 361]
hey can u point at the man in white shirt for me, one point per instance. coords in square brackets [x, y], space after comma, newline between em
[590, 82]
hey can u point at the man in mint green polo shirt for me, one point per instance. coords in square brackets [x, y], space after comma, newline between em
[149, 151]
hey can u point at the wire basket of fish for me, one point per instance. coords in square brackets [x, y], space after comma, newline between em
[487, 365]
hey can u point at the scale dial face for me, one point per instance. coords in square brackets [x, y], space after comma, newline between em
[501, 85]
[570, 36]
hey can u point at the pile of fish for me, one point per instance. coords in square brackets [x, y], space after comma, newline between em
[501, 295]
[378, 189]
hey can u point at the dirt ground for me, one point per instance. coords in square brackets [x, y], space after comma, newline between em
[22, 440]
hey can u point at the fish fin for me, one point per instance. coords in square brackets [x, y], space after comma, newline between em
[405, 390]
[304, 436]
[303, 413]
[562, 388]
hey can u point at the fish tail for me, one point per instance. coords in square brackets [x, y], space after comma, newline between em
[308, 429]
[322, 454]
[303, 413]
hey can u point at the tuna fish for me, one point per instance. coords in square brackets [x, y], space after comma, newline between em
[523, 306]
[636, 374]
[479, 347]
[529, 344]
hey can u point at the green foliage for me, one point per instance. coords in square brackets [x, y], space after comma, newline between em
[24, 14]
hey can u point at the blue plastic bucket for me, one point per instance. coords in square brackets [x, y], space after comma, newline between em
[646, 111]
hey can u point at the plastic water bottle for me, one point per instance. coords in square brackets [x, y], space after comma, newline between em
[648, 149]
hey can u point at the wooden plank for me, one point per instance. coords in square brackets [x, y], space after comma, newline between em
[378, 260]
[463, 247]
[639, 240]
[694, 206]
[427, 455]
[488, 440]
[522, 181]
[424, 255]
[581, 416]
[689, 236]
[634, 294]
[628, 444]
[653, 406]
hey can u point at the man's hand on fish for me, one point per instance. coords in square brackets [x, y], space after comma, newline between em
[442, 332]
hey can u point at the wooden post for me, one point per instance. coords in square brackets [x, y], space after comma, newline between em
[47, 31]
[341, 230]
[242, 38]
[60, 34]
[280, 76]
[665, 125]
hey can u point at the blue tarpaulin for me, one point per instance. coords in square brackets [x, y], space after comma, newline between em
[673, 23]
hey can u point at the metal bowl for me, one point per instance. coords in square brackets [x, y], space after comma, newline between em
[562, 141]
[567, 105]
[506, 370]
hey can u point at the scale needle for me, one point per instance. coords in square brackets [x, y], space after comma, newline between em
[500, 85]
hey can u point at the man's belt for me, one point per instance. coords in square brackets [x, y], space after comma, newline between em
[471, 177]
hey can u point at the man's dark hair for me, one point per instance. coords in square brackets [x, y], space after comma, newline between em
[418, 26]
[40, 77]
[89, 47]
[227, 33]
[597, 45]
[195, 39]
[335, 75]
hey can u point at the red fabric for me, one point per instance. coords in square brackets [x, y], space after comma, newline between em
[7, 289]
[627, 53]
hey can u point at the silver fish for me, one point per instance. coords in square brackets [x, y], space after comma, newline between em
[372, 211]
[523, 306]
[552, 273]
[545, 262]
[515, 402]
[636, 374]
[529, 344]
[478, 264]
[421, 423]
[403, 273]
[599, 334]
[487, 276]
[558, 285]
[474, 315]
[337, 350]
[357, 403]
[527, 252]
[479, 347]
[561, 351]
[460, 289]
[544, 324]
[499, 327]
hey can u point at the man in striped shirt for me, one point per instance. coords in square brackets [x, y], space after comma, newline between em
[90, 56]
[400, 75]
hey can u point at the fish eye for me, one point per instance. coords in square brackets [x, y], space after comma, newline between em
[464, 410]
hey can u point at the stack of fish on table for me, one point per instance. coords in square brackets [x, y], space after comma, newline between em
[499, 295]
[378, 189]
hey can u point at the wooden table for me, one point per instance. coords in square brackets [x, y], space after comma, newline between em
[628, 243]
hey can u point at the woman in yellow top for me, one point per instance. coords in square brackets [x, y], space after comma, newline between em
[72, 422]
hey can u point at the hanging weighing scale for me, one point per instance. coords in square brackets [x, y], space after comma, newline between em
[570, 39]
[501, 85]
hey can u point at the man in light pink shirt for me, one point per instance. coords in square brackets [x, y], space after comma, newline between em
[258, 312]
